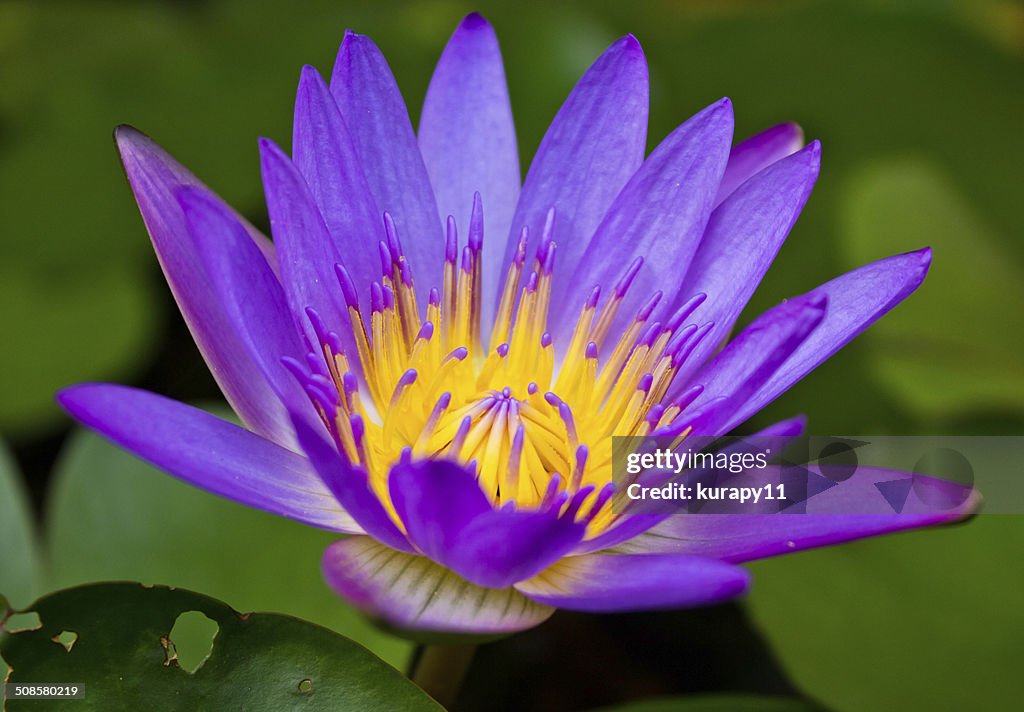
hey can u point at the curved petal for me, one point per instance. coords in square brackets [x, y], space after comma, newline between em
[855, 301]
[451, 521]
[208, 452]
[468, 140]
[756, 153]
[413, 592]
[629, 526]
[742, 238]
[351, 488]
[436, 500]
[839, 514]
[155, 177]
[306, 252]
[593, 146]
[750, 360]
[378, 122]
[502, 547]
[248, 291]
[602, 583]
[324, 154]
[660, 215]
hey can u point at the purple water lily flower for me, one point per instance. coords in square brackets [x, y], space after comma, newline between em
[432, 357]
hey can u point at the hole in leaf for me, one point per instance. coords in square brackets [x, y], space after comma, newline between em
[19, 622]
[305, 686]
[190, 640]
[67, 638]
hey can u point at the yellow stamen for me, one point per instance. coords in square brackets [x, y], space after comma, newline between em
[435, 392]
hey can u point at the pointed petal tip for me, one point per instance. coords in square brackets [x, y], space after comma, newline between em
[790, 130]
[268, 148]
[722, 110]
[474, 21]
[715, 118]
[70, 398]
[629, 49]
[126, 133]
[791, 427]
[355, 39]
[914, 265]
[630, 43]
[810, 155]
[736, 586]
[351, 34]
[309, 73]
[311, 84]
[131, 142]
[924, 263]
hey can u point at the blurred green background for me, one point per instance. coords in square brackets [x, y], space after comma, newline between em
[918, 106]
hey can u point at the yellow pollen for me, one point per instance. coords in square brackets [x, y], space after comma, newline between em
[435, 390]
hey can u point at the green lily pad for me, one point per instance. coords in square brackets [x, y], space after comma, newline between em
[923, 620]
[20, 574]
[114, 639]
[113, 517]
[939, 351]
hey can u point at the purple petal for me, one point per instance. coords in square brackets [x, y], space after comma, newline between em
[742, 238]
[326, 157]
[208, 452]
[435, 499]
[155, 174]
[660, 215]
[628, 526]
[450, 520]
[789, 428]
[410, 591]
[248, 291]
[593, 146]
[756, 153]
[501, 547]
[625, 528]
[378, 122]
[306, 251]
[155, 177]
[351, 487]
[754, 356]
[855, 301]
[468, 140]
[601, 583]
[834, 516]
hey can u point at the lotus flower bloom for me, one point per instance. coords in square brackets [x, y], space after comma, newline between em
[432, 356]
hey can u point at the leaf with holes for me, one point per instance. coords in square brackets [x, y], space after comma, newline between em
[116, 640]
[112, 517]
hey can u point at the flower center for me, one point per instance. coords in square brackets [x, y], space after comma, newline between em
[430, 388]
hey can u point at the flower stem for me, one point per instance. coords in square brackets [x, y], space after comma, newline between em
[440, 669]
